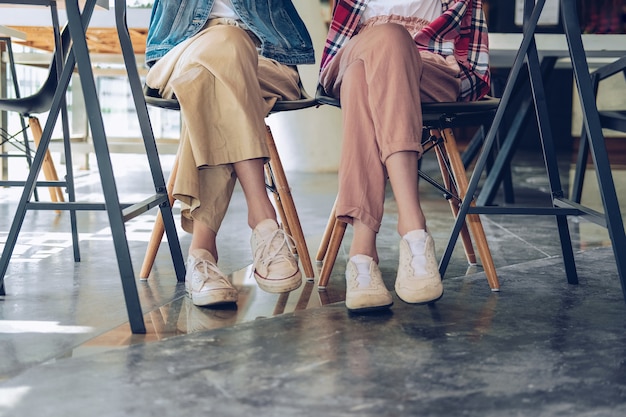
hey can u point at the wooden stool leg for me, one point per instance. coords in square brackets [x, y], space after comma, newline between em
[329, 247]
[338, 230]
[158, 229]
[466, 239]
[291, 220]
[271, 183]
[473, 220]
[49, 171]
[323, 249]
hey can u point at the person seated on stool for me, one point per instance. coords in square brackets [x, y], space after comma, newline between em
[382, 59]
[227, 62]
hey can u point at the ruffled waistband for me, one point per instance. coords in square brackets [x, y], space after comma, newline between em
[412, 24]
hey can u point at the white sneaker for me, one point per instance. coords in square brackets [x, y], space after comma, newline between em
[365, 289]
[418, 280]
[275, 266]
[205, 284]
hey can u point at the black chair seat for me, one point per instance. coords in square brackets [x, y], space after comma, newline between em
[462, 111]
[41, 101]
[153, 98]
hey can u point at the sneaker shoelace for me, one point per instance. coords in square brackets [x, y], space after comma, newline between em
[208, 270]
[276, 247]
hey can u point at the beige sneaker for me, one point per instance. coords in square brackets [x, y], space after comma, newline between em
[275, 266]
[206, 285]
[365, 289]
[418, 280]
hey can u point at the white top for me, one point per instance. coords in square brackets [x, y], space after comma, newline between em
[223, 8]
[425, 9]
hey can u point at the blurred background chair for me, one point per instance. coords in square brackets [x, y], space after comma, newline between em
[18, 140]
[28, 108]
[609, 119]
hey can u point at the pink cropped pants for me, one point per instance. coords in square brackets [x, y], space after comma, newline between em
[381, 79]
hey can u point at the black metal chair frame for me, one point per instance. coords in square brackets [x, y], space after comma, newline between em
[40, 102]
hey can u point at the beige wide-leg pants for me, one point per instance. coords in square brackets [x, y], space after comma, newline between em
[225, 90]
[381, 79]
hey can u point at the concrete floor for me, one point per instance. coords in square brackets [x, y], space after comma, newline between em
[538, 347]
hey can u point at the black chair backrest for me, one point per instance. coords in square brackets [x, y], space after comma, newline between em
[41, 101]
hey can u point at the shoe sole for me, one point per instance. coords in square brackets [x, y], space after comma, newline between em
[279, 286]
[213, 298]
[419, 303]
[369, 309]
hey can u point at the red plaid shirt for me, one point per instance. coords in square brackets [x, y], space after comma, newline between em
[460, 31]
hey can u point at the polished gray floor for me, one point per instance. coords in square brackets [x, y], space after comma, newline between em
[538, 347]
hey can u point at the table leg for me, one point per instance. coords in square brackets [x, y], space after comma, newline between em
[94, 114]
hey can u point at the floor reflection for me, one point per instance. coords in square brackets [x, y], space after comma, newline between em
[88, 293]
[182, 317]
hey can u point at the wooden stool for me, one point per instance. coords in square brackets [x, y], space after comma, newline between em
[439, 118]
[276, 181]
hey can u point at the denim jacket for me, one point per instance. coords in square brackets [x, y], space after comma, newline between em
[283, 35]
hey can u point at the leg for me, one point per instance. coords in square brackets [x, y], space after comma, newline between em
[418, 280]
[379, 118]
[206, 285]
[394, 117]
[362, 180]
[369, 139]
[402, 169]
[275, 266]
[230, 131]
[251, 175]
